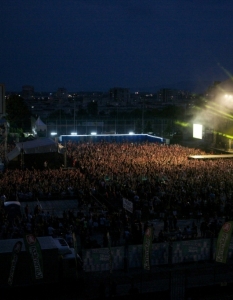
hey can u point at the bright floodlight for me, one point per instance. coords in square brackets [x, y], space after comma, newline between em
[53, 133]
[131, 132]
[197, 131]
[93, 133]
[73, 133]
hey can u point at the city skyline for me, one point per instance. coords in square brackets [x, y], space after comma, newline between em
[96, 45]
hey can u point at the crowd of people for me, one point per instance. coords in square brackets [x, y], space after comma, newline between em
[160, 180]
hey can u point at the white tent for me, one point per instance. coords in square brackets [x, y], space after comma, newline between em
[41, 145]
[40, 125]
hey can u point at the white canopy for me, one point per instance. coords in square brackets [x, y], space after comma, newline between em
[40, 125]
[40, 145]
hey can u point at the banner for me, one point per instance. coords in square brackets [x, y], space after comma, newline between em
[33, 248]
[190, 250]
[223, 242]
[147, 243]
[15, 253]
[110, 252]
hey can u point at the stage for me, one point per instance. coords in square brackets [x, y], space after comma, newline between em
[211, 156]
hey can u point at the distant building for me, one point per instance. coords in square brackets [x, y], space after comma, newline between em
[119, 95]
[62, 94]
[167, 95]
[173, 96]
[27, 91]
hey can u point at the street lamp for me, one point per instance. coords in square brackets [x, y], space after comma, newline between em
[74, 114]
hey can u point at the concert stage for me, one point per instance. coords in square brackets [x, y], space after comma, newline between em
[211, 156]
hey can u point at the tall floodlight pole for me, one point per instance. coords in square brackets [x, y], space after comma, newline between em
[142, 115]
[74, 115]
[2, 115]
[5, 142]
[65, 157]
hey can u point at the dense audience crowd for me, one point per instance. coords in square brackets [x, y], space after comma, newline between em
[160, 180]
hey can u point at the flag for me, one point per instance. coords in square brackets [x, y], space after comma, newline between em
[33, 248]
[147, 243]
[223, 242]
[15, 253]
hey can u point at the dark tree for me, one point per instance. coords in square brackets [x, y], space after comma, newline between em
[92, 108]
[59, 114]
[138, 126]
[136, 113]
[81, 113]
[18, 113]
[200, 102]
[172, 112]
[148, 127]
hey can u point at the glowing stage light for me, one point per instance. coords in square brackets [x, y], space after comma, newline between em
[53, 133]
[183, 124]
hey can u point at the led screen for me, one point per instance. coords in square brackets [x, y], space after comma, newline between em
[197, 131]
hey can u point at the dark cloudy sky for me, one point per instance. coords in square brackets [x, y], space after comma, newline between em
[99, 44]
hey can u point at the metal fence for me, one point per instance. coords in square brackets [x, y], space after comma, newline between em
[192, 281]
[66, 127]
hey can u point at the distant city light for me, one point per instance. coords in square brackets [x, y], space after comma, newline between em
[73, 133]
[93, 133]
[131, 132]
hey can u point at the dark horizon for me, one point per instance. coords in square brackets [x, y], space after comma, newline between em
[192, 87]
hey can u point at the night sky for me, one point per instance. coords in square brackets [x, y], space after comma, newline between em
[98, 44]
